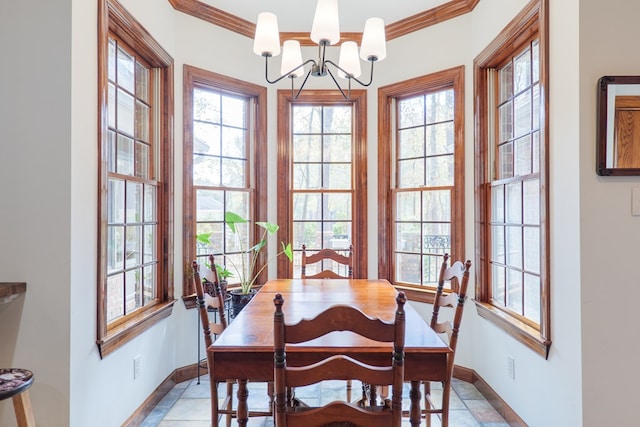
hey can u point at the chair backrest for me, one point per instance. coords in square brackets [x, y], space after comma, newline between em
[339, 367]
[323, 255]
[205, 300]
[455, 299]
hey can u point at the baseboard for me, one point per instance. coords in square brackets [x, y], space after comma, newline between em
[179, 375]
[191, 371]
[471, 376]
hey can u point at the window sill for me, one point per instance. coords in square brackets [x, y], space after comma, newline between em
[419, 295]
[125, 332]
[518, 330]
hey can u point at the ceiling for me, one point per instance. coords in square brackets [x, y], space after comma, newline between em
[297, 16]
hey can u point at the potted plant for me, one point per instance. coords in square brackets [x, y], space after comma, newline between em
[246, 271]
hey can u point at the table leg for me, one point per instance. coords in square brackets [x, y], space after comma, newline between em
[214, 403]
[243, 394]
[414, 411]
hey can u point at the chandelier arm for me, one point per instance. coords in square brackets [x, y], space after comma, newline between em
[328, 61]
[338, 84]
[266, 69]
[301, 86]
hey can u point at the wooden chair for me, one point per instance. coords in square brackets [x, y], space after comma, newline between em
[454, 299]
[338, 367]
[324, 255]
[205, 300]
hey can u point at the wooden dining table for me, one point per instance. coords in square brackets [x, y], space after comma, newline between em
[244, 351]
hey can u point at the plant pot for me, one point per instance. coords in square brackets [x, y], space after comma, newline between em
[239, 300]
[209, 288]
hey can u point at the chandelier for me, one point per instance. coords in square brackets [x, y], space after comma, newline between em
[325, 32]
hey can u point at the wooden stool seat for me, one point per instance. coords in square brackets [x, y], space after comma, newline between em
[14, 383]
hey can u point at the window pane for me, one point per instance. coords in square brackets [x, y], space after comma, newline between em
[535, 105]
[111, 106]
[439, 171]
[337, 176]
[125, 71]
[142, 122]
[532, 294]
[149, 283]
[514, 290]
[125, 164]
[307, 148]
[206, 170]
[115, 296]
[233, 111]
[337, 119]
[306, 119]
[209, 205]
[411, 112]
[233, 142]
[133, 289]
[506, 122]
[497, 244]
[536, 152]
[142, 82]
[126, 112]
[531, 209]
[439, 106]
[206, 105]
[142, 160]
[233, 173]
[514, 203]
[532, 249]
[514, 246]
[522, 71]
[238, 202]
[149, 243]
[111, 60]
[431, 270]
[522, 156]
[337, 148]
[506, 82]
[505, 159]
[436, 238]
[307, 233]
[411, 143]
[307, 176]
[535, 66]
[115, 201]
[338, 206]
[206, 138]
[436, 206]
[134, 246]
[497, 203]
[307, 206]
[498, 282]
[149, 203]
[440, 139]
[408, 237]
[115, 249]
[134, 202]
[410, 173]
[408, 268]
[522, 119]
[408, 206]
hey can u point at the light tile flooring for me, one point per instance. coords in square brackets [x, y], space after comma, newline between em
[187, 404]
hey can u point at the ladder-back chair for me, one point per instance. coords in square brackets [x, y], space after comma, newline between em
[458, 276]
[323, 256]
[338, 367]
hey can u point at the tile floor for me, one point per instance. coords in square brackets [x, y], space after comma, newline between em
[187, 405]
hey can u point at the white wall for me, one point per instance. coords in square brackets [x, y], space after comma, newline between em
[35, 215]
[48, 189]
[609, 36]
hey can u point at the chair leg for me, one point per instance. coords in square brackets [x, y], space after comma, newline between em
[427, 402]
[23, 410]
[348, 390]
[229, 406]
[446, 391]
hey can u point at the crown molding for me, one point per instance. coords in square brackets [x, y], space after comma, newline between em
[394, 30]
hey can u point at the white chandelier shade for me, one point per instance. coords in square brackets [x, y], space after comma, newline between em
[325, 32]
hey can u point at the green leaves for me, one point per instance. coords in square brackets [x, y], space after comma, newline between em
[232, 219]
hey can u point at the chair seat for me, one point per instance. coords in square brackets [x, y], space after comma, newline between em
[14, 381]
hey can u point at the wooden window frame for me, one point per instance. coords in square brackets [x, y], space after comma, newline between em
[358, 100]
[196, 77]
[115, 20]
[452, 78]
[531, 21]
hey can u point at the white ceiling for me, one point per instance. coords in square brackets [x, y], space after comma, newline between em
[297, 15]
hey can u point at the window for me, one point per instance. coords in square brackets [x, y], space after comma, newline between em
[421, 179]
[135, 173]
[322, 175]
[224, 164]
[512, 191]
